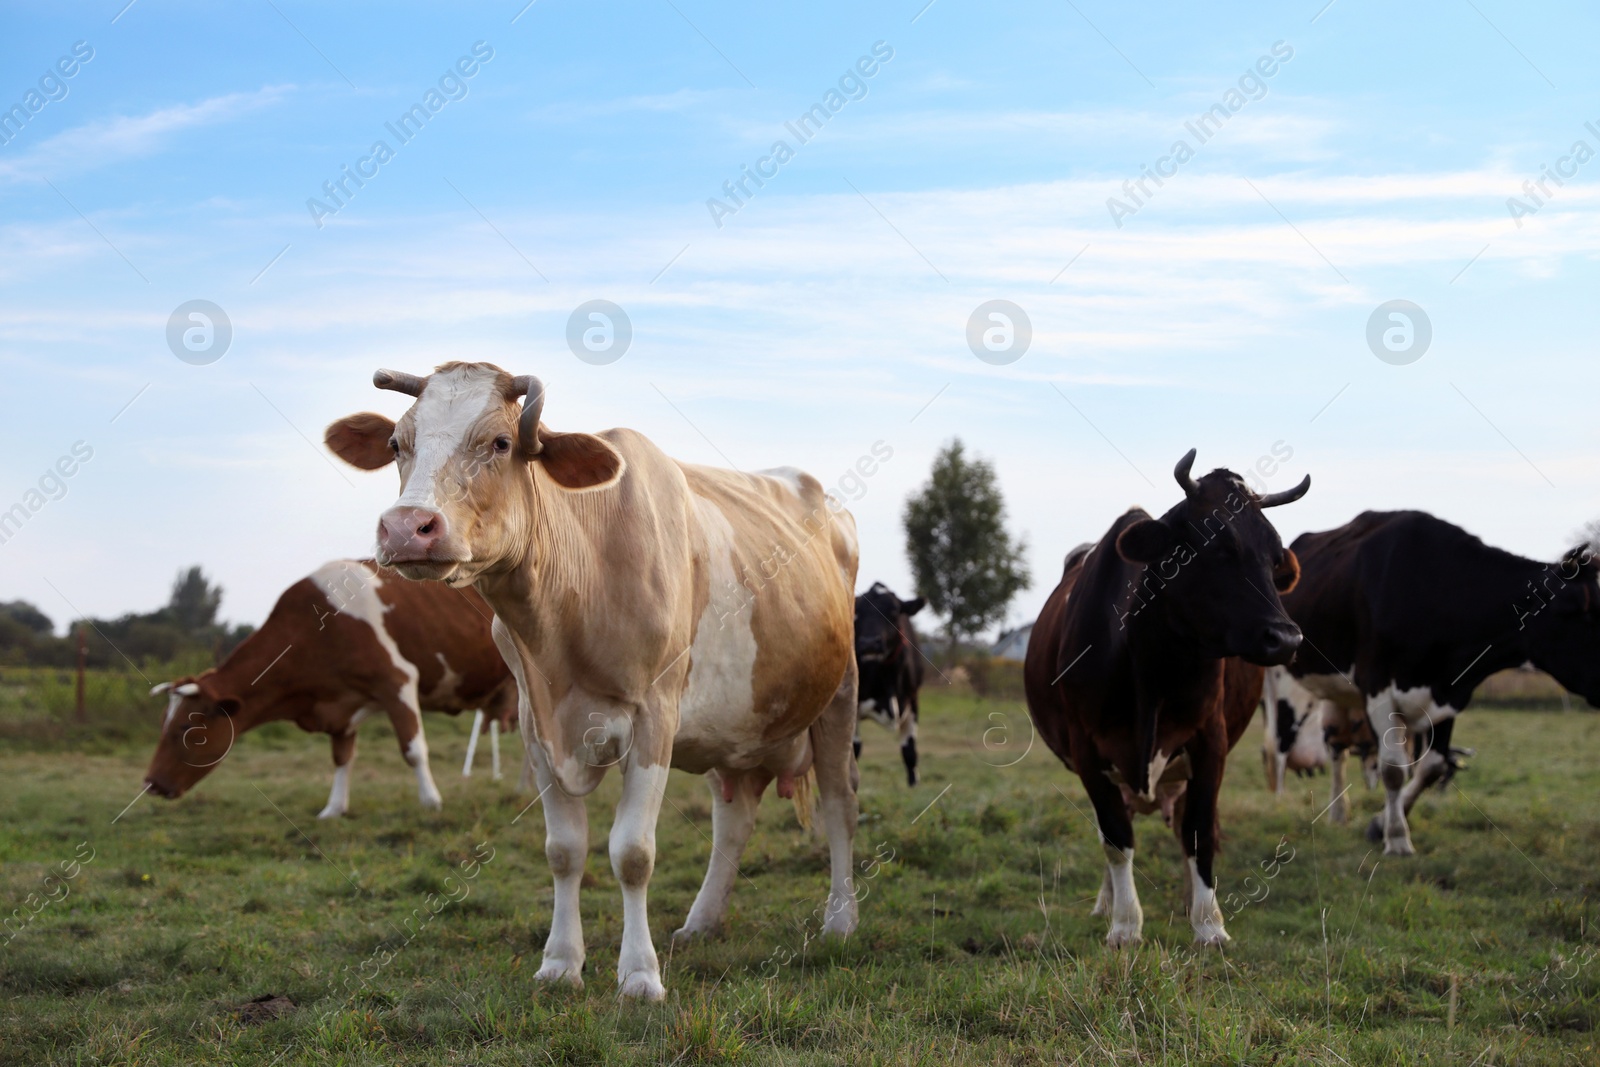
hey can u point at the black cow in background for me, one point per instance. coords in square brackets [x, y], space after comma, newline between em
[890, 665]
[1405, 615]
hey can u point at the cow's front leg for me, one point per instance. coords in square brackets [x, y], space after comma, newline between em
[1393, 757]
[1116, 838]
[633, 858]
[734, 799]
[1198, 832]
[908, 742]
[837, 780]
[1338, 806]
[566, 846]
[1430, 767]
[344, 753]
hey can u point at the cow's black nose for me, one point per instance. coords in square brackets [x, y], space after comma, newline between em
[1279, 641]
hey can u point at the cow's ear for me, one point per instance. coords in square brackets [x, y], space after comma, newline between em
[579, 460]
[361, 440]
[1146, 541]
[1286, 575]
[911, 607]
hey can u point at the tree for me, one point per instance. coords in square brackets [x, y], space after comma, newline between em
[963, 559]
[194, 602]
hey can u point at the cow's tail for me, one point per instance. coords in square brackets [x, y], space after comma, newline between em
[805, 798]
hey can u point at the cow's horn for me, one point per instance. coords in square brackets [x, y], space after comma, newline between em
[158, 689]
[187, 689]
[1288, 496]
[1181, 472]
[399, 381]
[530, 387]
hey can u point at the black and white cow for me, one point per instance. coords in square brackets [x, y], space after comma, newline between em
[1292, 738]
[891, 668]
[1404, 615]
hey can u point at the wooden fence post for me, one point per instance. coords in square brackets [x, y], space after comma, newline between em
[83, 658]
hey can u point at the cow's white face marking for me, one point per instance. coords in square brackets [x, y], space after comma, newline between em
[173, 700]
[449, 406]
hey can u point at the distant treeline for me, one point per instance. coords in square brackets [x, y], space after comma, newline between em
[186, 629]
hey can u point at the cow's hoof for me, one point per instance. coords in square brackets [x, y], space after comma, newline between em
[687, 933]
[1375, 829]
[1210, 935]
[330, 812]
[561, 971]
[1101, 907]
[841, 919]
[1123, 937]
[642, 985]
[432, 801]
[1398, 846]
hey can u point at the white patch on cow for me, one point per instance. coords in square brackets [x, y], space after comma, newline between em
[1127, 917]
[188, 689]
[173, 700]
[449, 687]
[353, 589]
[1158, 764]
[358, 718]
[339, 796]
[1204, 915]
[717, 713]
[791, 477]
[444, 413]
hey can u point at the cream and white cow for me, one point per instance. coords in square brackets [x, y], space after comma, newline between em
[655, 613]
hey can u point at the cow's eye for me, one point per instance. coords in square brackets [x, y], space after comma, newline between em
[394, 446]
[502, 444]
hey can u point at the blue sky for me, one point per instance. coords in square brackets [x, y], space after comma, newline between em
[829, 312]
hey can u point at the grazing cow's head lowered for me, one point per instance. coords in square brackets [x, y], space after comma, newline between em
[1215, 567]
[466, 450]
[198, 730]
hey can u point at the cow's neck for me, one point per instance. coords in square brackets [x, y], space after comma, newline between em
[531, 592]
[256, 675]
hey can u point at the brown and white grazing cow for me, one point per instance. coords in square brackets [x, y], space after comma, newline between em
[1131, 670]
[350, 640]
[656, 614]
[1306, 732]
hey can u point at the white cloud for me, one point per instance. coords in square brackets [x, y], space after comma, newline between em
[103, 142]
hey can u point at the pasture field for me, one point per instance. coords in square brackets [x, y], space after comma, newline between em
[398, 936]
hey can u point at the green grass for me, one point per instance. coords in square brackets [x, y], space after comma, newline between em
[975, 945]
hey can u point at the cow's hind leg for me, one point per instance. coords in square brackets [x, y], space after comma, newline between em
[344, 753]
[1116, 838]
[734, 800]
[406, 718]
[837, 779]
[1430, 767]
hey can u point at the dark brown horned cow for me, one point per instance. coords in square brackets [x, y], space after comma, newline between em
[1132, 679]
